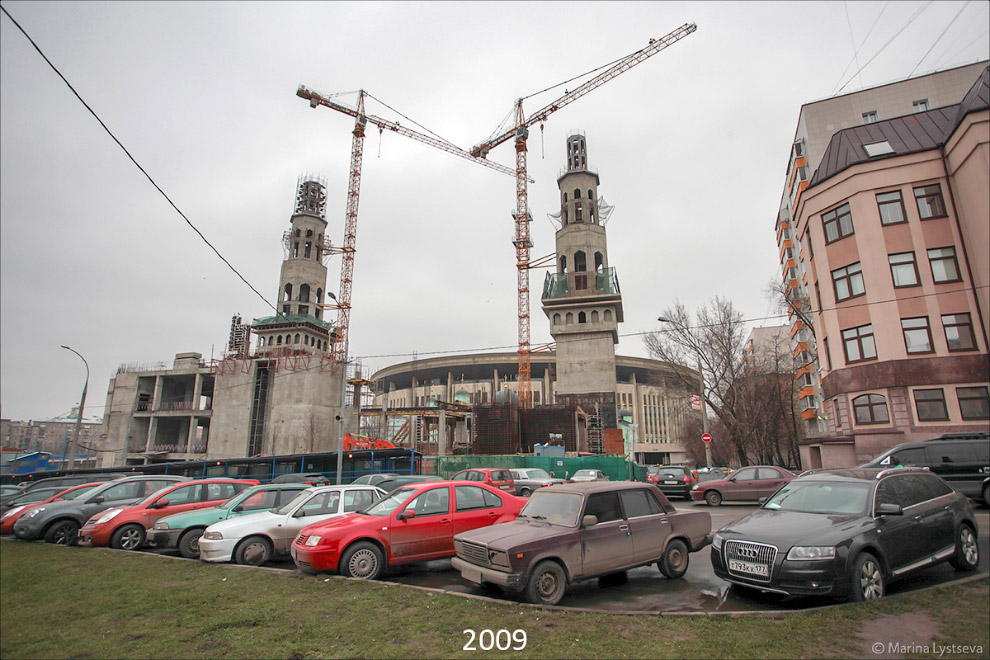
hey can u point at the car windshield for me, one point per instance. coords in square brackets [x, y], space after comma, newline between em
[584, 473]
[556, 508]
[672, 473]
[820, 497]
[393, 501]
[535, 474]
[287, 508]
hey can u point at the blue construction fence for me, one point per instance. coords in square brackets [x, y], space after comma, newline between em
[615, 467]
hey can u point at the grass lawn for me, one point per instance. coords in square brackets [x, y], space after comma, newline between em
[60, 602]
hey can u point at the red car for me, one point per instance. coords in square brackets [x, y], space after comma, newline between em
[413, 523]
[125, 528]
[748, 483]
[11, 516]
[499, 478]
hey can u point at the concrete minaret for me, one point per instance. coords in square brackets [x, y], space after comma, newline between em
[299, 326]
[582, 299]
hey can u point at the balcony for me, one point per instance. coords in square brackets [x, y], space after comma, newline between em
[581, 284]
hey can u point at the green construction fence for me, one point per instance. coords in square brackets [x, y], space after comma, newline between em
[616, 468]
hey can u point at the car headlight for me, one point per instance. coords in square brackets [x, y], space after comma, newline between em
[14, 511]
[109, 515]
[498, 558]
[811, 552]
[33, 512]
[717, 541]
[313, 540]
[212, 536]
[161, 525]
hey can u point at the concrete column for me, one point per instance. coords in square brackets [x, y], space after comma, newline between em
[442, 434]
[197, 391]
[449, 396]
[191, 434]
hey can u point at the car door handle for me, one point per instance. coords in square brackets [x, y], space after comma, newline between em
[445, 521]
[664, 521]
[624, 528]
[917, 519]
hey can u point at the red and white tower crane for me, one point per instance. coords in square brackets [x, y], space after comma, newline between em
[337, 344]
[520, 131]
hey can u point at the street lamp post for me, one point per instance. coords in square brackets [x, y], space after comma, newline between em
[701, 394]
[82, 406]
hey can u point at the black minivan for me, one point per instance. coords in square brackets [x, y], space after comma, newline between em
[961, 459]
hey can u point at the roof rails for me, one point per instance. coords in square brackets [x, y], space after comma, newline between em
[882, 473]
[975, 435]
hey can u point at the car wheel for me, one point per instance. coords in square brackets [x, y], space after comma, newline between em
[713, 497]
[189, 543]
[253, 551]
[674, 562]
[525, 492]
[64, 532]
[547, 583]
[362, 560]
[866, 579]
[967, 556]
[128, 537]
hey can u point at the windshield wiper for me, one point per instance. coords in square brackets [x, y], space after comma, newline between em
[538, 517]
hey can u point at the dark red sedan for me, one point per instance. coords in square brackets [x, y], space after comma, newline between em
[416, 522]
[747, 484]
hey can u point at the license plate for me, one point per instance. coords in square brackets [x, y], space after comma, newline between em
[748, 567]
[471, 575]
[504, 487]
[670, 483]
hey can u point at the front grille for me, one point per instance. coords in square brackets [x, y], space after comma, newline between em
[752, 553]
[303, 564]
[474, 552]
[301, 539]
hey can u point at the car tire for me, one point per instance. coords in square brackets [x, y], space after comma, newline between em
[866, 581]
[253, 551]
[189, 543]
[547, 584]
[525, 492]
[967, 556]
[128, 537]
[713, 497]
[362, 560]
[63, 532]
[675, 560]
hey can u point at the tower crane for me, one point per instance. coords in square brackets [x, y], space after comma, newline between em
[337, 344]
[520, 131]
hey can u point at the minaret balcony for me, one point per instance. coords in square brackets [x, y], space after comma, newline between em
[581, 284]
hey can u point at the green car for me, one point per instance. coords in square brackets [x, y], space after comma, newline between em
[182, 530]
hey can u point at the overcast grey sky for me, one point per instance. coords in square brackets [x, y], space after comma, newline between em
[691, 147]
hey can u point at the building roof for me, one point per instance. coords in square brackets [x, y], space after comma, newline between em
[899, 136]
[283, 320]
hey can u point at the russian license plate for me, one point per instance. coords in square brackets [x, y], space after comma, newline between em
[670, 483]
[471, 575]
[749, 567]
[504, 487]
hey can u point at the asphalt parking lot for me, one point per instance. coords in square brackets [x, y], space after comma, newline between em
[646, 590]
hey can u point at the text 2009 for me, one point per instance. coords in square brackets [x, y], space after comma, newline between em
[502, 640]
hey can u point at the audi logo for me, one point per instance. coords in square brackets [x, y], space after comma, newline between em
[747, 552]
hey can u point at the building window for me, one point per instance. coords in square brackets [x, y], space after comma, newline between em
[569, 319]
[930, 405]
[556, 319]
[838, 223]
[295, 249]
[577, 211]
[848, 282]
[870, 409]
[959, 332]
[577, 193]
[565, 197]
[891, 206]
[308, 250]
[974, 402]
[920, 105]
[930, 202]
[859, 343]
[304, 309]
[582, 317]
[869, 117]
[286, 308]
[903, 269]
[917, 335]
[608, 315]
[945, 268]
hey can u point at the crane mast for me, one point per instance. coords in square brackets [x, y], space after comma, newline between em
[520, 131]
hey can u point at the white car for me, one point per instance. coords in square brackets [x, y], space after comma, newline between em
[588, 475]
[256, 538]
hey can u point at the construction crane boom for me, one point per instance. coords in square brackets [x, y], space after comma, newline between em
[316, 99]
[337, 341]
[620, 67]
[520, 131]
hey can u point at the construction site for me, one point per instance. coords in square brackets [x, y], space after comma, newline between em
[284, 384]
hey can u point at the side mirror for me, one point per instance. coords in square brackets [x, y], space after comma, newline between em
[887, 509]
[406, 514]
[762, 500]
[238, 508]
[159, 504]
[589, 521]
[99, 499]
[299, 513]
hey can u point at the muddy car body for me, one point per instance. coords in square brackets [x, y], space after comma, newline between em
[575, 532]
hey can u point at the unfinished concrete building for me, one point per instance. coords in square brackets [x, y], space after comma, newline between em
[279, 398]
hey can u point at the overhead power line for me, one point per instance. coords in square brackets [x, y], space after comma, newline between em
[132, 159]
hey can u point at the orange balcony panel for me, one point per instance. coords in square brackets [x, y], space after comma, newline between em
[798, 326]
[803, 346]
[810, 413]
[792, 284]
[780, 230]
[783, 249]
[802, 370]
[806, 392]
